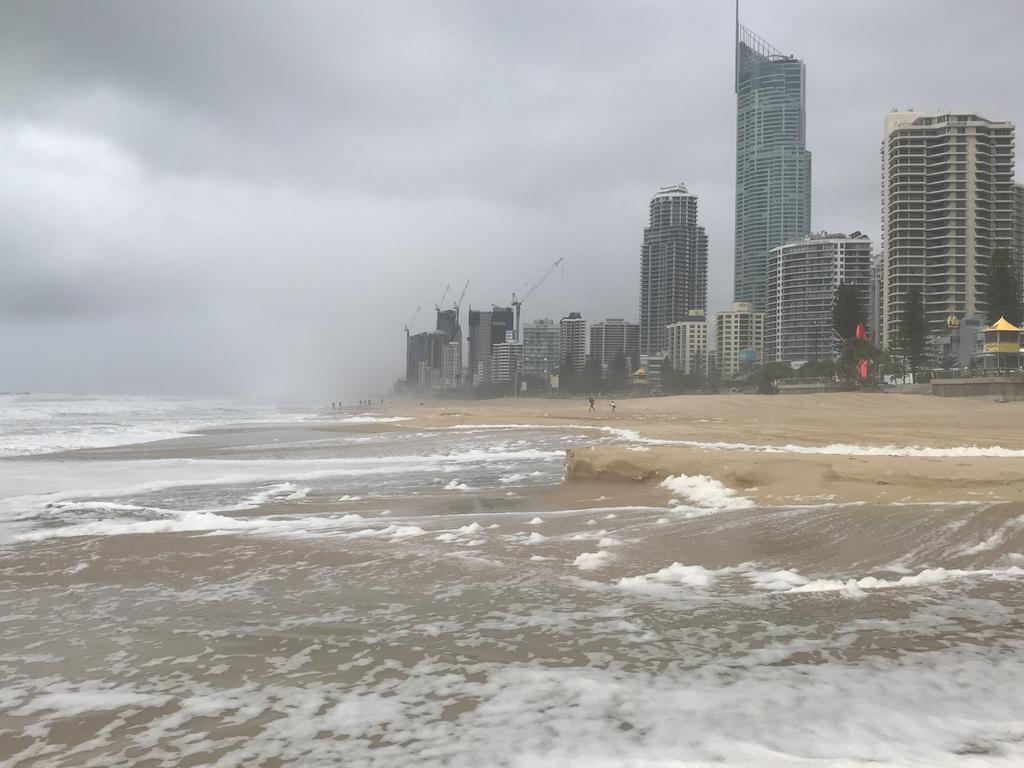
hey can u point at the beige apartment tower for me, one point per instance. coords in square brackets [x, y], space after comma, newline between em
[739, 340]
[688, 344]
[1018, 229]
[947, 204]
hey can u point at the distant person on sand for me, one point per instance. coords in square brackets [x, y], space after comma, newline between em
[613, 407]
[592, 410]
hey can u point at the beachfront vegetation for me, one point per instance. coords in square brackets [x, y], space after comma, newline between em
[1002, 294]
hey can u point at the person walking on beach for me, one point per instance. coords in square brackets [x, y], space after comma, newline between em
[592, 409]
[613, 407]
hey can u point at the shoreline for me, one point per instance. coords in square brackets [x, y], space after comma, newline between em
[755, 432]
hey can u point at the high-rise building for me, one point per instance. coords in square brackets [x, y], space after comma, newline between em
[874, 305]
[739, 340]
[542, 345]
[434, 359]
[947, 204]
[1018, 211]
[688, 344]
[673, 266]
[451, 365]
[573, 340]
[486, 328]
[610, 337]
[448, 323]
[802, 280]
[424, 356]
[773, 165]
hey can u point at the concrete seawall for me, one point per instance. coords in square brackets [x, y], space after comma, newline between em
[1002, 387]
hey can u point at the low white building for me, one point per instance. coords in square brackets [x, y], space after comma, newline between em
[506, 362]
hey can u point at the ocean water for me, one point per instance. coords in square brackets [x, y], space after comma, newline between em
[301, 588]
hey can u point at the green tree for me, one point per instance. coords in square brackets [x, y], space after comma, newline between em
[913, 335]
[817, 368]
[1002, 293]
[593, 376]
[847, 310]
[618, 372]
[568, 381]
[854, 351]
[669, 379]
[767, 376]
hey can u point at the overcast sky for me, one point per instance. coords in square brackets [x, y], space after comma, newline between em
[251, 198]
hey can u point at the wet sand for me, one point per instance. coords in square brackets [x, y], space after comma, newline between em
[311, 595]
[771, 432]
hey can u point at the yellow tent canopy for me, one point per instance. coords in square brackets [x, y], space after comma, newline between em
[1002, 324]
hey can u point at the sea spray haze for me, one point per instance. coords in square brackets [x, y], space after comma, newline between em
[343, 588]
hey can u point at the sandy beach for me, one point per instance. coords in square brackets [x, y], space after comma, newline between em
[187, 584]
[843, 447]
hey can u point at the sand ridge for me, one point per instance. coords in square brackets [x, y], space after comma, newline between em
[772, 430]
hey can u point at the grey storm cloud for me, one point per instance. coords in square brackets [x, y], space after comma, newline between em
[251, 198]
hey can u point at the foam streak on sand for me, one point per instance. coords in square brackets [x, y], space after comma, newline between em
[834, 449]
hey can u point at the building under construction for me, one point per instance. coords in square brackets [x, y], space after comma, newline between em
[433, 359]
[486, 329]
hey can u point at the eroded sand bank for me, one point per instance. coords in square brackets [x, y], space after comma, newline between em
[844, 447]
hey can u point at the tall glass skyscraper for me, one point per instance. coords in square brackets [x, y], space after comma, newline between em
[673, 267]
[773, 166]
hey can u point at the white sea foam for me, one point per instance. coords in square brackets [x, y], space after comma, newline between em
[455, 485]
[589, 535]
[66, 701]
[536, 521]
[189, 522]
[112, 479]
[674, 575]
[942, 709]
[591, 561]
[833, 449]
[780, 580]
[996, 539]
[705, 492]
[367, 418]
[929, 576]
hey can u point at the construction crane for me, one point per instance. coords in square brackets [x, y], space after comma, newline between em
[458, 303]
[437, 306]
[517, 301]
[411, 321]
